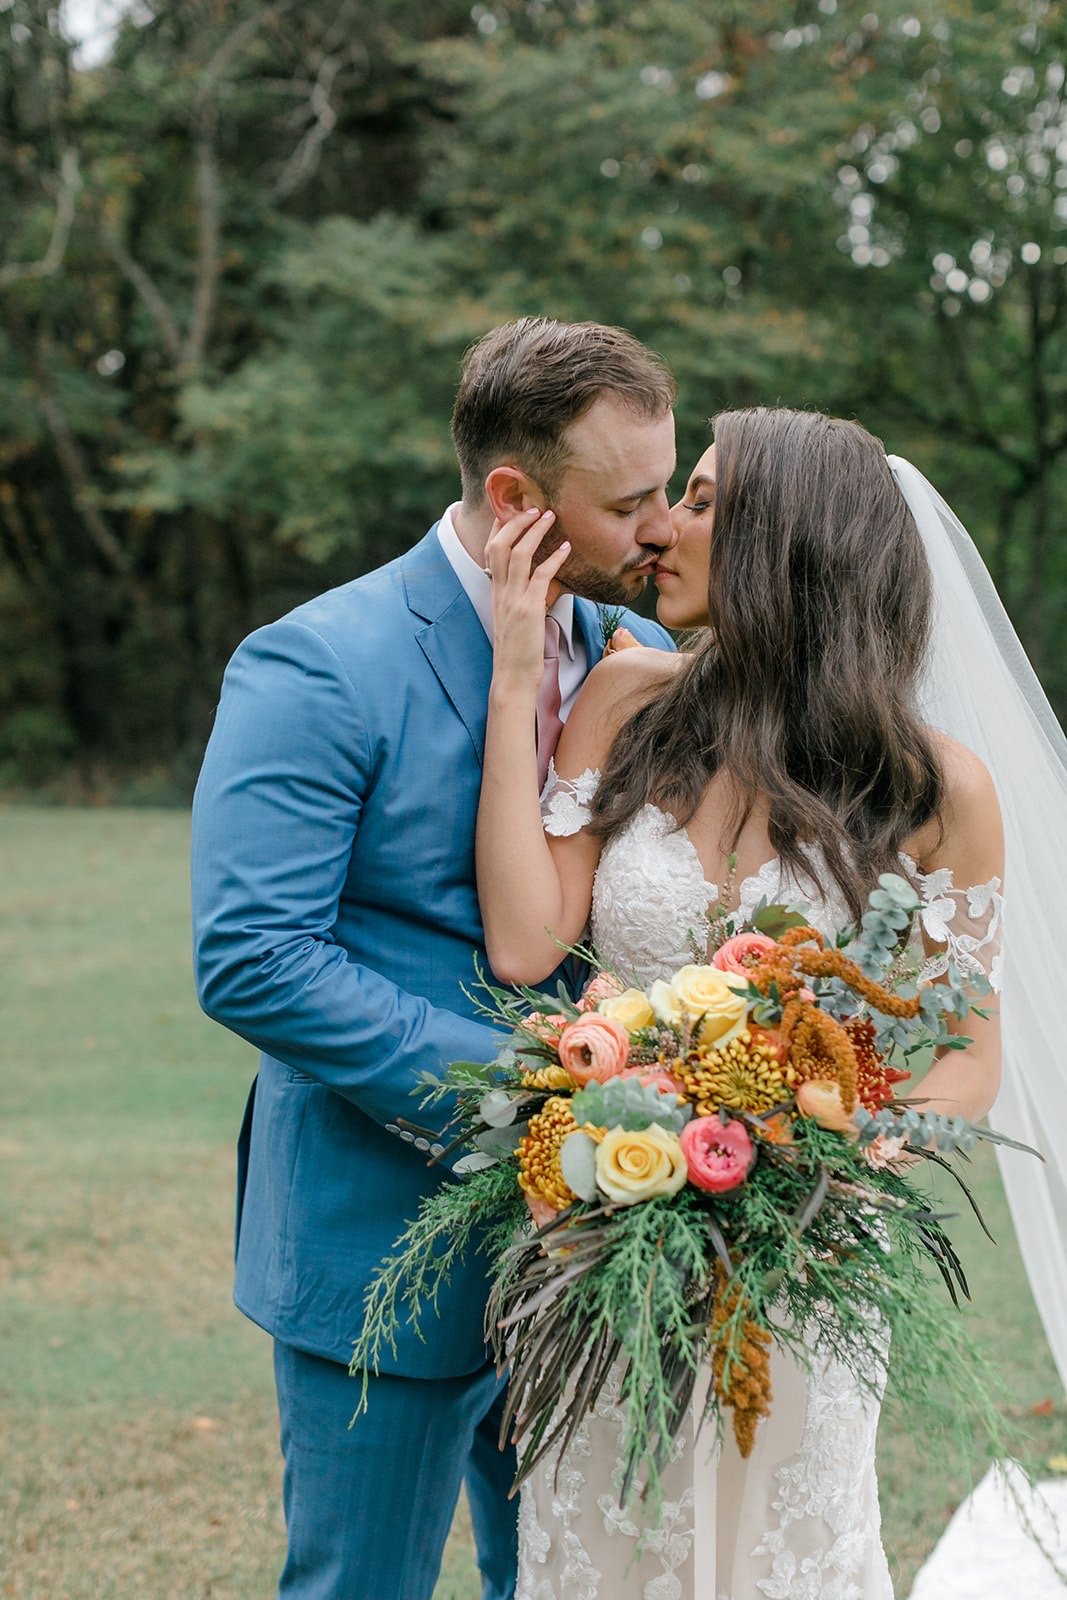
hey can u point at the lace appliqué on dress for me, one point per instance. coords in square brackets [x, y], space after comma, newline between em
[828, 1536]
[581, 1518]
[968, 922]
[565, 802]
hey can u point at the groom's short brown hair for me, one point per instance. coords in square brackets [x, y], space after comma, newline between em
[523, 384]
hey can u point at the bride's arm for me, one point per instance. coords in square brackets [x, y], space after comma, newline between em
[965, 1082]
[535, 892]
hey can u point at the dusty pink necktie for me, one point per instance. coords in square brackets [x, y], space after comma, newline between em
[549, 725]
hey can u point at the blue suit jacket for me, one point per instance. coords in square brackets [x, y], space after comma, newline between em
[336, 922]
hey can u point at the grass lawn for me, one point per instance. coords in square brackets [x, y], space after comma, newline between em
[138, 1453]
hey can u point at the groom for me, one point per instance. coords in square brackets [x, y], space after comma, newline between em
[336, 925]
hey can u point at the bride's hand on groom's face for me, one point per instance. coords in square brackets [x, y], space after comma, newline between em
[520, 596]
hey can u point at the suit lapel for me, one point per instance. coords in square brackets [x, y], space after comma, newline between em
[589, 618]
[452, 640]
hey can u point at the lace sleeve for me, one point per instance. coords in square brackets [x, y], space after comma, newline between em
[565, 802]
[967, 922]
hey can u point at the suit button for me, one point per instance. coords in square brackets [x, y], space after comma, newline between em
[422, 1144]
[437, 1149]
[391, 1127]
[408, 1138]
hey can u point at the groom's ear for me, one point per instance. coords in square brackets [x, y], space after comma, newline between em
[509, 490]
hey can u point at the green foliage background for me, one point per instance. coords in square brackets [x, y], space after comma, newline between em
[243, 255]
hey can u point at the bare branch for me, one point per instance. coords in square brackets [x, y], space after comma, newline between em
[150, 296]
[208, 231]
[66, 204]
[305, 158]
[208, 185]
[79, 480]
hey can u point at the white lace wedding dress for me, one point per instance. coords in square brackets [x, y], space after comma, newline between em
[799, 1520]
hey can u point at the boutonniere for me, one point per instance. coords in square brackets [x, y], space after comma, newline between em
[610, 622]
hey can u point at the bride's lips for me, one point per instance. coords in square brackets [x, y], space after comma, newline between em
[659, 572]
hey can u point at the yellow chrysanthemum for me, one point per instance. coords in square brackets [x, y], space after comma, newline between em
[551, 1077]
[540, 1173]
[743, 1076]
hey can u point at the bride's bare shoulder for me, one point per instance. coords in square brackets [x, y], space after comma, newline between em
[969, 822]
[625, 676]
[618, 686]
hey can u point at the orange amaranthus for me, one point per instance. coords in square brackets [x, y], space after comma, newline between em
[819, 1046]
[743, 1384]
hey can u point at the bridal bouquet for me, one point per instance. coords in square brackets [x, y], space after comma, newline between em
[673, 1181]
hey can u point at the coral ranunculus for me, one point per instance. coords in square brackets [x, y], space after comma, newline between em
[719, 1154]
[820, 1099]
[741, 953]
[634, 1165]
[594, 1048]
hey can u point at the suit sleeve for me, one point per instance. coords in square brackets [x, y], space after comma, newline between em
[648, 632]
[275, 817]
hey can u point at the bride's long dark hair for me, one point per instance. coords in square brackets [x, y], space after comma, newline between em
[803, 690]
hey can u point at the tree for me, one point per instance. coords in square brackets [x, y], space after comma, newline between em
[249, 250]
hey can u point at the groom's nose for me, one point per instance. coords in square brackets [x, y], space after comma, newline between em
[658, 530]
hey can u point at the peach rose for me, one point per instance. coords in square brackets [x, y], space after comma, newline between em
[820, 1099]
[594, 1048]
[741, 953]
[709, 994]
[602, 987]
[718, 1154]
[636, 1164]
[632, 1008]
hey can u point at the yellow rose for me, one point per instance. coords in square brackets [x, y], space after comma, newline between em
[709, 993]
[631, 1008]
[664, 1002]
[635, 1165]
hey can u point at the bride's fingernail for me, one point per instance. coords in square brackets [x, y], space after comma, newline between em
[550, 516]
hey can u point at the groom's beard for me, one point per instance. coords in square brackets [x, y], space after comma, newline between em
[578, 576]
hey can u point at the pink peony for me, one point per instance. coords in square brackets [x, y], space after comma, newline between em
[719, 1154]
[741, 953]
[594, 1047]
[602, 987]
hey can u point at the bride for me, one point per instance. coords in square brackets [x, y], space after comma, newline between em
[782, 758]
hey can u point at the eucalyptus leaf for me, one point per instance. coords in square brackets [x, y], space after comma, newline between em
[577, 1159]
[498, 1108]
[477, 1161]
[500, 1142]
[627, 1103]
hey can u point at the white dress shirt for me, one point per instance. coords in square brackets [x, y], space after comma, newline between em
[573, 659]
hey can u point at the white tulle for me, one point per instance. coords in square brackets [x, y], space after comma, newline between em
[980, 688]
